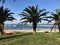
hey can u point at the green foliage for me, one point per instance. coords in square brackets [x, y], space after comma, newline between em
[33, 14]
[5, 14]
[57, 34]
[55, 16]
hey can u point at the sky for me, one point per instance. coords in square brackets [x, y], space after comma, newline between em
[18, 6]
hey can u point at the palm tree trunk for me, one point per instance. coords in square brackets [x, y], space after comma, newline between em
[34, 27]
[2, 28]
[59, 26]
[52, 27]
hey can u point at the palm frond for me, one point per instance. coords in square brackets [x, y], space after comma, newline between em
[42, 10]
[5, 14]
[3, 1]
[43, 14]
[28, 11]
[14, 0]
[11, 18]
[0, 0]
[33, 14]
[24, 14]
[24, 18]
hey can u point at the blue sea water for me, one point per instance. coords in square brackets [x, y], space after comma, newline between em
[26, 27]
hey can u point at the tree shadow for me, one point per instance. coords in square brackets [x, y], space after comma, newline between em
[13, 36]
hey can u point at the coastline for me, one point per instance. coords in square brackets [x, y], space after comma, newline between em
[30, 31]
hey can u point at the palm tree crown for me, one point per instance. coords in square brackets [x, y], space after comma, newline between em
[5, 14]
[34, 15]
[56, 17]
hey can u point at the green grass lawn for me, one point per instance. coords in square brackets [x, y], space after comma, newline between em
[57, 34]
[30, 39]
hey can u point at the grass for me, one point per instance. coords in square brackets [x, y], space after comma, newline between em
[29, 39]
[57, 34]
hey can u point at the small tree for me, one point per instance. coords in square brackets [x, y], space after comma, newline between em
[5, 15]
[33, 15]
[56, 17]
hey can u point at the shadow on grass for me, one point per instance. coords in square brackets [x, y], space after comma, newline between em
[14, 36]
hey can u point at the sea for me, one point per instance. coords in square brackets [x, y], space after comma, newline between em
[28, 27]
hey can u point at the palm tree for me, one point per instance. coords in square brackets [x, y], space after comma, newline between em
[3, 1]
[5, 15]
[33, 15]
[56, 17]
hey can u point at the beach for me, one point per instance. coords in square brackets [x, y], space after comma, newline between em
[28, 31]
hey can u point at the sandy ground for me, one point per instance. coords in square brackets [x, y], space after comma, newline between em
[30, 30]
